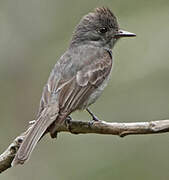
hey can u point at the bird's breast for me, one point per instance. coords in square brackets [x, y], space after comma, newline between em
[98, 91]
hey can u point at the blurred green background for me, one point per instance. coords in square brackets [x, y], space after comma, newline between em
[33, 35]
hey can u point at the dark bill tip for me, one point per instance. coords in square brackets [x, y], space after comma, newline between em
[122, 33]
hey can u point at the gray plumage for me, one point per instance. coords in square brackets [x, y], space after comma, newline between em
[78, 78]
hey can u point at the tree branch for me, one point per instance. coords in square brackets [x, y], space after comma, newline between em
[81, 127]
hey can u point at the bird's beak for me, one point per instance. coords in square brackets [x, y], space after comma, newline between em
[122, 33]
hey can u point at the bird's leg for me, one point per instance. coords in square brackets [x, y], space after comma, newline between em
[95, 118]
[67, 122]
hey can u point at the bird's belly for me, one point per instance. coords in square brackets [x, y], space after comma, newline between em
[96, 94]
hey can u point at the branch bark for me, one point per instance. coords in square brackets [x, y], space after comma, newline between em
[81, 127]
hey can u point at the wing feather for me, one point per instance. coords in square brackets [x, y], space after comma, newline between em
[85, 83]
[72, 93]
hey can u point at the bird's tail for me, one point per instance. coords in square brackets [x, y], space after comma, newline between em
[47, 117]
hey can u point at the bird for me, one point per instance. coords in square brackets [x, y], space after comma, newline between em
[78, 77]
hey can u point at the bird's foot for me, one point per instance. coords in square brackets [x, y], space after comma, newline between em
[68, 124]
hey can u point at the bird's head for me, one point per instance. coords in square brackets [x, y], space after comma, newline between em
[99, 28]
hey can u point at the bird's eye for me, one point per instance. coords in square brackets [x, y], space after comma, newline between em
[103, 30]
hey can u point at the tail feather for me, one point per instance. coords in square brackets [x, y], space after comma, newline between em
[46, 118]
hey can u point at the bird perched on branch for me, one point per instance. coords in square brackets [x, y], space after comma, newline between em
[78, 78]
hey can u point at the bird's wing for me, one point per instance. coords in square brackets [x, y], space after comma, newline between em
[77, 90]
[69, 89]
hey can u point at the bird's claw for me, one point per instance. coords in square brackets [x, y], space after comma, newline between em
[68, 124]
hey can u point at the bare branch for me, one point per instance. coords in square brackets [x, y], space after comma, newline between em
[81, 127]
